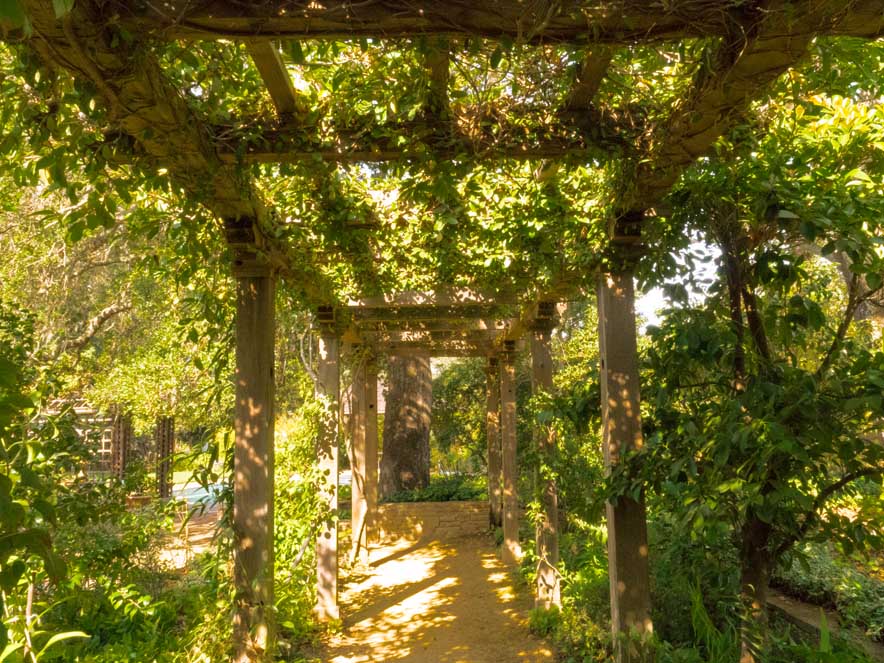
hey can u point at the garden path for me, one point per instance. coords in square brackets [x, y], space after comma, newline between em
[434, 602]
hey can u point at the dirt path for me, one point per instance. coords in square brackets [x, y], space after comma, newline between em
[434, 602]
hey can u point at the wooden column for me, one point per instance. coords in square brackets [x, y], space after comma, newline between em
[492, 431]
[512, 552]
[164, 437]
[254, 632]
[621, 433]
[548, 592]
[327, 453]
[371, 452]
[358, 463]
[121, 441]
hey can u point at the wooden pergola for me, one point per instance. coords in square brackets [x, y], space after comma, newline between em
[151, 123]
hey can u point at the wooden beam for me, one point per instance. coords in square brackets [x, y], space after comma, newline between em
[590, 134]
[436, 349]
[437, 65]
[151, 123]
[253, 462]
[589, 78]
[328, 390]
[267, 59]
[413, 313]
[547, 586]
[446, 324]
[512, 550]
[431, 337]
[628, 566]
[573, 21]
[492, 433]
[439, 297]
[754, 52]
[358, 465]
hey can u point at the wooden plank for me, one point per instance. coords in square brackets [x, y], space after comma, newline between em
[430, 337]
[416, 313]
[440, 297]
[436, 352]
[591, 136]
[572, 21]
[446, 324]
[590, 76]
[276, 77]
[754, 52]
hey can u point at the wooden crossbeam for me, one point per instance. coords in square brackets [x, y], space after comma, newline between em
[413, 313]
[276, 77]
[437, 64]
[589, 78]
[439, 297]
[162, 129]
[437, 349]
[755, 52]
[579, 98]
[592, 134]
[572, 21]
[449, 324]
[413, 336]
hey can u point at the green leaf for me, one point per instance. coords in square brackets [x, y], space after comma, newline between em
[296, 53]
[62, 7]
[10, 649]
[58, 637]
[496, 57]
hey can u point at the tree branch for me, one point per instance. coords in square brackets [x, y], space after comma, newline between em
[812, 517]
[92, 328]
[853, 301]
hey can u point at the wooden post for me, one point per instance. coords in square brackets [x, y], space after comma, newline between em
[512, 551]
[621, 433]
[327, 452]
[492, 431]
[358, 464]
[164, 437]
[253, 463]
[121, 441]
[548, 589]
[371, 452]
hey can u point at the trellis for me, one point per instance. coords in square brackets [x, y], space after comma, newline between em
[749, 45]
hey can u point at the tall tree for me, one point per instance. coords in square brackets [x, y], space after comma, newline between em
[405, 464]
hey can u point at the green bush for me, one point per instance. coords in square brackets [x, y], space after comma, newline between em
[817, 574]
[453, 488]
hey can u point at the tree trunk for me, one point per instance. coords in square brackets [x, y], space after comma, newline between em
[405, 464]
[756, 563]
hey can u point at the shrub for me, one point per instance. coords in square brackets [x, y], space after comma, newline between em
[815, 573]
[452, 488]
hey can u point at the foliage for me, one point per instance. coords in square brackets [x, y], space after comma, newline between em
[817, 574]
[298, 516]
[457, 422]
[446, 488]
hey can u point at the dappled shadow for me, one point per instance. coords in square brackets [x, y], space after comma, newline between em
[435, 602]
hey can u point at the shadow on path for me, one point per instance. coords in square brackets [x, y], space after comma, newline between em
[438, 602]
